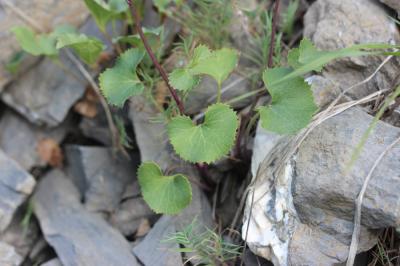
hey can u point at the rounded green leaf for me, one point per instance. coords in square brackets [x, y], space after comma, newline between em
[218, 65]
[41, 44]
[182, 80]
[164, 194]
[103, 12]
[292, 105]
[87, 48]
[121, 82]
[208, 141]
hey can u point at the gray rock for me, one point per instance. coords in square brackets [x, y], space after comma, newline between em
[324, 90]
[55, 92]
[150, 137]
[96, 128]
[19, 138]
[8, 255]
[322, 186]
[303, 212]
[78, 236]
[131, 211]
[162, 253]
[15, 186]
[311, 246]
[333, 24]
[74, 13]
[100, 176]
[393, 4]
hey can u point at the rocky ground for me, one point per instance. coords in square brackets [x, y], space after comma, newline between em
[67, 198]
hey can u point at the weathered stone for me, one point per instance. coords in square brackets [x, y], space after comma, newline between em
[15, 186]
[8, 255]
[101, 178]
[46, 13]
[150, 137]
[55, 92]
[162, 253]
[96, 128]
[131, 211]
[322, 186]
[78, 236]
[311, 246]
[324, 90]
[333, 24]
[310, 198]
[19, 139]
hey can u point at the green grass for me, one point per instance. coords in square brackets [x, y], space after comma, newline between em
[205, 247]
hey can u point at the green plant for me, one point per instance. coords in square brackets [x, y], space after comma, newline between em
[203, 246]
[260, 41]
[291, 108]
[208, 20]
[289, 17]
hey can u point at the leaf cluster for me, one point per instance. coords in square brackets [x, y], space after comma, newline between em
[291, 107]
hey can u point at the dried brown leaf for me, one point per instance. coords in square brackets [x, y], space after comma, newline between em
[50, 152]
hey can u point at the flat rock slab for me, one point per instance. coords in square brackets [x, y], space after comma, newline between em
[100, 176]
[54, 91]
[151, 251]
[19, 139]
[78, 236]
[15, 186]
[322, 184]
[46, 13]
[131, 211]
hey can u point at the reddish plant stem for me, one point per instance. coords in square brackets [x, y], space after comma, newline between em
[135, 15]
[202, 168]
[275, 19]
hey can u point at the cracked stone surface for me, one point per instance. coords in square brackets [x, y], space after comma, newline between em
[78, 236]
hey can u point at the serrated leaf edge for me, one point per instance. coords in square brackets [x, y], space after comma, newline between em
[216, 159]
